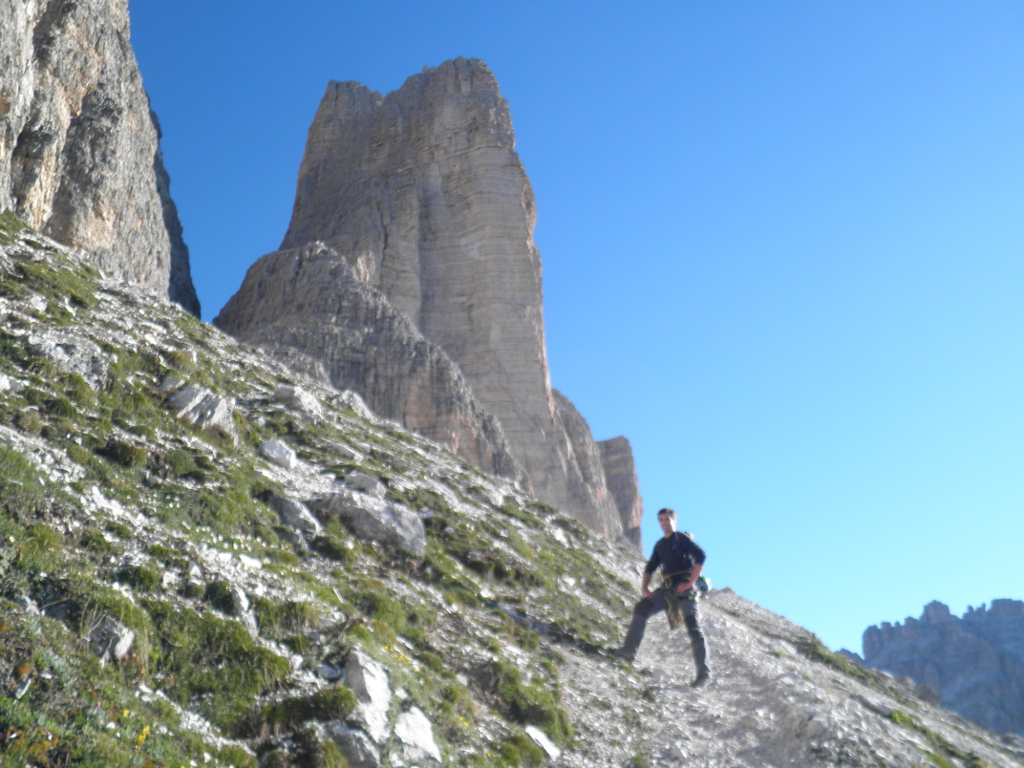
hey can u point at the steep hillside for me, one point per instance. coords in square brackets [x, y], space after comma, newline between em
[208, 559]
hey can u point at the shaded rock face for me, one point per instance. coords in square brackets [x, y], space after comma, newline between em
[422, 195]
[310, 299]
[975, 662]
[620, 477]
[80, 153]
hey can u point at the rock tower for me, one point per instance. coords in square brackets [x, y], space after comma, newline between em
[421, 196]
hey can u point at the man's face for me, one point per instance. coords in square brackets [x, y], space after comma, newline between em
[668, 525]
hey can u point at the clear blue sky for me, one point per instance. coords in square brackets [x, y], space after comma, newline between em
[782, 246]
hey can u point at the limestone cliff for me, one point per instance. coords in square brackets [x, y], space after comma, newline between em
[620, 476]
[309, 299]
[976, 662]
[423, 195]
[80, 153]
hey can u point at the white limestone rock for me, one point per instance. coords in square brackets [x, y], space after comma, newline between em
[278, 452]
[296, 515]
[376, 519]
[199, 406]
[71, 354]
[357, 747]
[368, 680]
[541, 740]
[371, 486]
[300, 400]
[421, 196]
[346, 452]
[624, 486]
[414, 741]
[110, 640]
[353, 400]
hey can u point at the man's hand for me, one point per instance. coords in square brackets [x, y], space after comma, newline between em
[693, 579]
[646, 592]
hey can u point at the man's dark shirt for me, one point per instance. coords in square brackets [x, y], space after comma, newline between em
[678, 559]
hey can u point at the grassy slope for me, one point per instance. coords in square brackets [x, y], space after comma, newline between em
[110, 506]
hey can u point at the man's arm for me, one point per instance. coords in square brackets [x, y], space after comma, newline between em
[693, 579]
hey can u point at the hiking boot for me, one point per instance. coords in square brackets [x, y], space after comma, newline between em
[622, 655]
[702, 679]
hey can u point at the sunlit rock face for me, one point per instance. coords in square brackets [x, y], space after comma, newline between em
[422, 194]
[309, 299]
[975, 662]
[620, 476]
[80, 152]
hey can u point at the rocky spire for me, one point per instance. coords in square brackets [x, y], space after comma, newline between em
[422, 193]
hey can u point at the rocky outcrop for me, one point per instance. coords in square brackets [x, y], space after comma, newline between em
[422, 195]
[620, 477]
[310, 299]
[975, 662]
[584, 475]
[80, 152]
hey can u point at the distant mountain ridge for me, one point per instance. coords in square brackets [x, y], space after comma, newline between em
[975, 662]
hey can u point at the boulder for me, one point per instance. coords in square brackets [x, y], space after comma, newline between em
[358, 748]
[541, 740]
[240, 608]
[414, 741]
[296, 515]
[301, 401]
[204, 409]
[352, 400]
[368, 680]
[344, 451]
[71, 354]
[110, 640]
[278, 452]
[375, 519]
[369, 485]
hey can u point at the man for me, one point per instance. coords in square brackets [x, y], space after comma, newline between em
[681, 561]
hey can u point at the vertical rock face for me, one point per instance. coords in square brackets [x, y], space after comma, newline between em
[975, 662]
[79, 147]
[310, 299]
[620, 477]
[422, 194]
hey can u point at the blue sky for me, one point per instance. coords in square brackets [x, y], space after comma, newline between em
[782, 247]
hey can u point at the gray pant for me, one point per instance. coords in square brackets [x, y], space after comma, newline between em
[649, 606]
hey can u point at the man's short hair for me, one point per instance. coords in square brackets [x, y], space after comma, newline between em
[670, 513]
